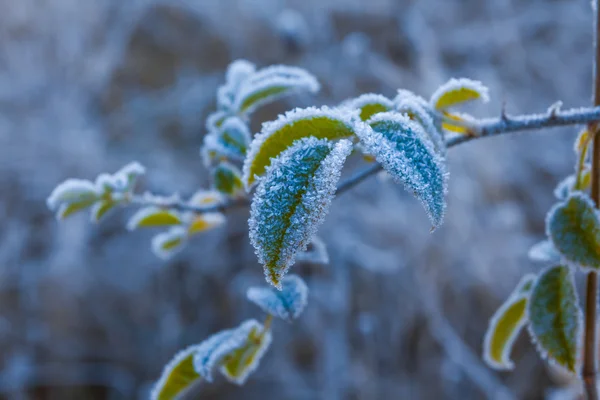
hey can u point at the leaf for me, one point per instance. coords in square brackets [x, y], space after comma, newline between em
[544, 251]
[276, 136]
[153, 217]
[286, 304]
[67, 209]
[457, 122]
[316, 252]
[129, 173]
[215, 120]
[178, 375]
[406, 153]
[458, 91]
[234, 135]
[212, 351]
[272, 83]
[505, 325]
[206, 198]
[240, 363]
[227, 179]
[582, 141]
[204, 222]
[564, 187]
[166, 244]
[574, 229]
[555, 317]
[370, 104]
[101, 208]
[72, 191]
[292, 201]
[416, 112]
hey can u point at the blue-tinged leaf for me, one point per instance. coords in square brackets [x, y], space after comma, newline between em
[574, 228]
[555, 317]
[286, 304]
[416, 111]
[407, 154]
[292, 200]
[544, 251]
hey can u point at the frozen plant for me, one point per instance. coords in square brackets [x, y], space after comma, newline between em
[288, 174]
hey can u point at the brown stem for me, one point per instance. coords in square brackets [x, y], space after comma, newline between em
[591, 298]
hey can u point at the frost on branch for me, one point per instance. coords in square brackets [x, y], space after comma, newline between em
[286, 304]
[178, 375]
[544, 251]
[407, 154]
[458, 91]
[505, 326]
[278, 135]
[292, 200]
[555, 317]
[270, 84]
[416, 112]
[370, 104]
[316, 252]
[574, 228]
[227, 179]
[153, 217]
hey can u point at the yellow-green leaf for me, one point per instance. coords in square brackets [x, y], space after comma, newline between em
[240, 363]
[227, 179]
[278, 135]
[166, 244]
[458, 91]
[456, 122]
[178, 375]
[555, 317]
[205, 222]
[370, 104]
[67, 209]
[101, 208]
[153, 217]
[505, 326]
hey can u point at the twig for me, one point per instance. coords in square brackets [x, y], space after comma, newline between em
[591, 298]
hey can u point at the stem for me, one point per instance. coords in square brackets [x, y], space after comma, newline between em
[591, 297]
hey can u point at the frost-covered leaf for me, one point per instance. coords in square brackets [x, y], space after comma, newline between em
[416, 112]
[215, 120]
[129, 174]
[204, 222]
[457, 122]
[276, 136]
[211, 352]
[206, 198]
[65, 210]
[234, 135]
[316, 252]
[582, 141]
[574, 228]
[544, 251]
[564, 187]
[555, 317]
[292, 201]
[166, 244]
[178, 375]
[286, 304]
[272, 83]
[227, 179]
[240, 363]
[458, 91]
[506, 324]
[407, 154]
[404, 95]
[101, 208]
[370, 104]
[237, 73]
[72, 191]
[153, 217]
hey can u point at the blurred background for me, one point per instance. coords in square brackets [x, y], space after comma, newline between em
[88, 312]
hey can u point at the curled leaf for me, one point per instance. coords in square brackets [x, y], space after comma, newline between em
[101, 208]
[178, 375]
[505, 325]
[292, 201]
[370, 104]
[206, 198]
[458, 91]
[286, 304]
[67, 209]
[457, 122]
[73, 191]
[227, 179]
[240, 363]
[276, 136]
[544, 251]
[555, 317]
[215, 120]
[407, 154]
[204, 222]
[272, 83]
[564, 187]
[316, 252]
[574, 228]
[166, 244]
[153, 217]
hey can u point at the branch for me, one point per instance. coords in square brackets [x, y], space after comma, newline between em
[488, 127]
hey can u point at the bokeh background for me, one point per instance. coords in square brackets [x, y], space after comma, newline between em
[88, 312]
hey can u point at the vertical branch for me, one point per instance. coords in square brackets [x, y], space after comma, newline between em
[591, 298]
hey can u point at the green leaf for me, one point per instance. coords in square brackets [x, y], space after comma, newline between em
[555, 317]
[292, 201]
[574, 228]
[276, 136]
[505, 326]
[227, 179]
[153, 217]
[101, 208]
[205, 222]
[370, 104]
[458, 91]
[67, 209]
[73, 191]
[178, 375]
[406, 153]
[417, 112]
[166, 244]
